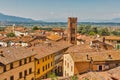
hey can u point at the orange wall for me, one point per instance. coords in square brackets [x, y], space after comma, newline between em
[17, 69]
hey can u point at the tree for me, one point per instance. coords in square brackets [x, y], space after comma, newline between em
[86, 79]
[1, 29]
[104, 32]
[84, 29]
[11, 35]
[116, 33]
[80, 29]
[95, 30]
[52, 76]
[74, 77]
[35, 28]
[92, 33]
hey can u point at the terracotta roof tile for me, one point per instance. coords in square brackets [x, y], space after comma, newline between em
[54, 37]
[11, 54]
[112, 38]
[44, 50]
[96, 56]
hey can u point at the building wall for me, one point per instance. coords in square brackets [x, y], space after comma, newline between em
[58, 61]
[3, 44]
[58, 56]
[81, 67]
[17, 69]
[96, 67]
[17, 33]
[68, 65]
[46, 63]
[1, 69]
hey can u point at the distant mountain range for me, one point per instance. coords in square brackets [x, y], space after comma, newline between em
[116, 20]
[8, 18]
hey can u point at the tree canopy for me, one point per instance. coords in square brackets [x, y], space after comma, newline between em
[11, 35]
[92, 30]
[35, 28]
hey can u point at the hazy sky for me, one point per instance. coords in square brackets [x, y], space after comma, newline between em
[59, 10]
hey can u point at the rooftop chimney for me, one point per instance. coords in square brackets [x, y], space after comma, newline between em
[109, 57]
[91, 60]
[32, 49]
[87, 57]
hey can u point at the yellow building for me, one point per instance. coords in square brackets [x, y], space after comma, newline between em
[48, 58]
[43, 62]
[43, 66]
[16, 64]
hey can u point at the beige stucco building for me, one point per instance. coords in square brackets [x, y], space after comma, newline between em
[79, 59]
[68, 65]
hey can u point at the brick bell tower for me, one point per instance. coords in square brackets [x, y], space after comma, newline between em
[72, 30]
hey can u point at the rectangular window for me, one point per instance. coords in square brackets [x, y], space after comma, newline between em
[38, 71]
[73, 38]
[11, 65]
[38, 62]
[20, 62]
[4, 69]
[11, 77]
[30, 70]
[67, 65]
[20, 75]
[48, 57]
[30, 59]
[25, 73]
[51, 63]
[43, 68]
[43, 59]
[46, 66]
[32, 78]
[25, 61]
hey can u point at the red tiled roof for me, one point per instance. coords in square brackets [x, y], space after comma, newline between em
[112, 38]
[11, 54]
[44, 50]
